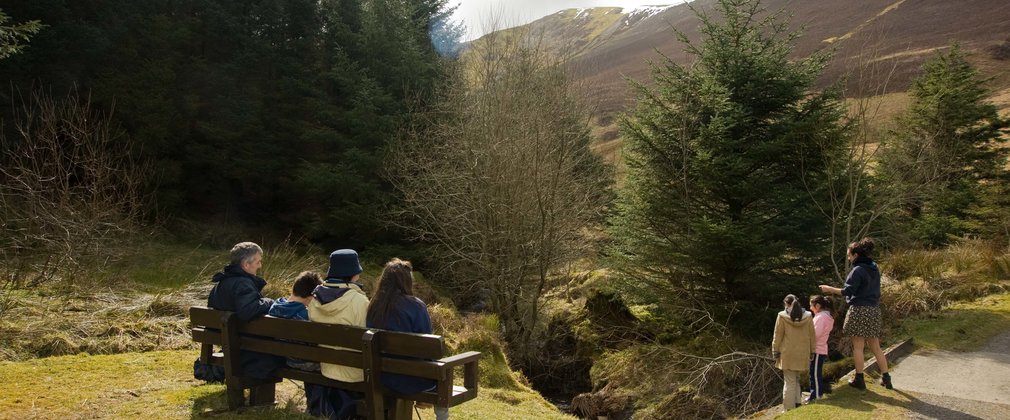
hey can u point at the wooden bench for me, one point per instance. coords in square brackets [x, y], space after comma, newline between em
[372, 350]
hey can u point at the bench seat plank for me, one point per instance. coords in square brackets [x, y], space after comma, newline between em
[459, 395]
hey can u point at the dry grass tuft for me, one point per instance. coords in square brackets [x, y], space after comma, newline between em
[478, 332]
[607, 402]
[930, 280]
[102, 321]
[284, 261]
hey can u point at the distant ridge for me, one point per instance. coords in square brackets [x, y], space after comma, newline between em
[887, 40]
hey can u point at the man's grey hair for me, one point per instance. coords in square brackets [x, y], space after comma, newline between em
[244, 252]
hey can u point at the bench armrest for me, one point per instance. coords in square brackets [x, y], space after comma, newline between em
[461, 359]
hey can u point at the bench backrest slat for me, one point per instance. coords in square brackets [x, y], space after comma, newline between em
[421, 346]
[206, 336]
[305, 331]
[286, 329]
[301, 351]
[420, 368]
[205, 317]
[289, 349]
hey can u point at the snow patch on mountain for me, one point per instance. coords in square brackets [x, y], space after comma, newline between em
[640, 13]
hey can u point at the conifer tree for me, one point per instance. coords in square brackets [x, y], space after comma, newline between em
[724, 157]
[13, 37]
[945, 149]
[269, 112]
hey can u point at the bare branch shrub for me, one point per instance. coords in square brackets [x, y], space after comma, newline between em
[501, 180]
[69, 188]
[687, 385]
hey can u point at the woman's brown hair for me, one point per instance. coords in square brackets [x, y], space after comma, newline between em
[395, 282]
[863, 247]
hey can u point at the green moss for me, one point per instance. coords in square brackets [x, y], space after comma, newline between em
[838, 368]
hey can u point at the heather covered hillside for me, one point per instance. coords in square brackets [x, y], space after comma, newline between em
[878, 45]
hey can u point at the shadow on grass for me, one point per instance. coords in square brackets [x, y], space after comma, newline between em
[210, 405]
[859, 401]
[869, 401]
[215, 405]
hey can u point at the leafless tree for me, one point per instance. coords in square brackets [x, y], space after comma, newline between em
[501, 180]
[69, 188]
[859, 199]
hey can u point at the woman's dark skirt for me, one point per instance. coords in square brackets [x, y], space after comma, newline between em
[862, 321]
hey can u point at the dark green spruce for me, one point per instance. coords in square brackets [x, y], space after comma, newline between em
[945, 153]
[725, 161]
[272, 113]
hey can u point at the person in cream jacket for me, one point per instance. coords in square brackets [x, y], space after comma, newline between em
[340, 300]
[792, 346]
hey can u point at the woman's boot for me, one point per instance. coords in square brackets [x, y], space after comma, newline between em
[885, 380]
[858, 382]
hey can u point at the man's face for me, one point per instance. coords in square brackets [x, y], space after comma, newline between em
[253, 266]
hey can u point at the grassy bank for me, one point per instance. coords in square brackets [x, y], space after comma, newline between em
[160, 385]
[964, 326]
[113, 341]
[135, 302]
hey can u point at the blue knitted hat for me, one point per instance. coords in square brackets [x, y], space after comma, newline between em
[343, 264]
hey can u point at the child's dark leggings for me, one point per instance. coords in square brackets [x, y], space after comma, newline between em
[817, 386]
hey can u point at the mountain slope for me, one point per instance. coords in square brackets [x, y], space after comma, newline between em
[879, 44]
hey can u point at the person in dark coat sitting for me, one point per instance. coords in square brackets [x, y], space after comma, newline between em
[238, 289]
[395, 308]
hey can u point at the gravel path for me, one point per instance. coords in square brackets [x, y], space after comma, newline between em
[926, 406]
[948, 385]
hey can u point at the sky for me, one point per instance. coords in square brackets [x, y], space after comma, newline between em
[475, 13]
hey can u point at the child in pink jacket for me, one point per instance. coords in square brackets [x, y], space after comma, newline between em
[823, 323]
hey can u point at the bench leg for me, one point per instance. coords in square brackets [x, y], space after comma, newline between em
[262, 394]
[402, 410]
[236, 395]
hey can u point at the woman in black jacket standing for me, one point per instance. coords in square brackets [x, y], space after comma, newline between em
[862, 321]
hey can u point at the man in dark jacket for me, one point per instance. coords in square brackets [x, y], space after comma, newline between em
[237, 289]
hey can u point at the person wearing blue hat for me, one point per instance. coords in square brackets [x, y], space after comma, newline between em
[340, 300]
